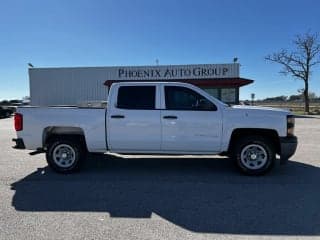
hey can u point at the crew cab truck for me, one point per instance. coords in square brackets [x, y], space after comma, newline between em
[158, 118]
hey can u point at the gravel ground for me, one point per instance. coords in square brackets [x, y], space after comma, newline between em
[160, 198]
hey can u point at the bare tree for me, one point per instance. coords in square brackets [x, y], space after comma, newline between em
[298, 63]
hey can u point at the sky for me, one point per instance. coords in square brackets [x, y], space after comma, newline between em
[69, 33]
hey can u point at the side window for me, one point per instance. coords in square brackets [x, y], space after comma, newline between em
[136, 97]
[181, 98]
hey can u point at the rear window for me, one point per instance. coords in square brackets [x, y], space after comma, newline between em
[136, 97]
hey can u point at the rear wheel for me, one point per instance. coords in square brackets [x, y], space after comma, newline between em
[64, 155]
[254, 155]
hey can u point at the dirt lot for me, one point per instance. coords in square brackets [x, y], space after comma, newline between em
[160, 198]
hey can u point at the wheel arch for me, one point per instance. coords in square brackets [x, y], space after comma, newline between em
[270, 134]
[52, 132]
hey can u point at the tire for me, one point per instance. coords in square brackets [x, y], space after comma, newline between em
[254, 155]
[65, 155]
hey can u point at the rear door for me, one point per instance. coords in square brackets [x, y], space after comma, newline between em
[190, 122]
[133, 120]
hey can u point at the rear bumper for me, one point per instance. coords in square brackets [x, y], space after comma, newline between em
[19, 143]
[288, 147]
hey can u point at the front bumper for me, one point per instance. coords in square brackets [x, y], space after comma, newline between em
[288, 146]
[19, 143]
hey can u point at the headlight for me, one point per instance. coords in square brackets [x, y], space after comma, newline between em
[290, 125]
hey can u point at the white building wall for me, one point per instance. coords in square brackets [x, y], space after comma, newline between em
[67, 86]
[72, 86]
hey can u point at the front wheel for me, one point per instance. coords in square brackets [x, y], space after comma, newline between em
[64, 156]
[254, 155]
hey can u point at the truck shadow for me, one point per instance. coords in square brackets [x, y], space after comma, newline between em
[204, 195]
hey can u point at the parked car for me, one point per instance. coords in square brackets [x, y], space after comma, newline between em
[158, 118]
[5, 112]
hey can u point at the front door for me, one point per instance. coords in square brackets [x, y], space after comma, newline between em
[190, 122]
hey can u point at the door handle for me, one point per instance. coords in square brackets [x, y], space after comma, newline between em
[117, 116]
[170, 117]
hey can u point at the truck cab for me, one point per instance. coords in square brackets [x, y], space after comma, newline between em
[175, 118]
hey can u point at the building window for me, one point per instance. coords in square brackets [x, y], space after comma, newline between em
[136, 97]
[213, 92]
[228, 95]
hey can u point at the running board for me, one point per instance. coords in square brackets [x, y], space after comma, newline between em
[38, 151]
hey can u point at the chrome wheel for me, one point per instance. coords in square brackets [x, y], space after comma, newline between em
[253, 156]
[64, 155]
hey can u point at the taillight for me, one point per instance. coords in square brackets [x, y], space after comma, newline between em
[18, 121]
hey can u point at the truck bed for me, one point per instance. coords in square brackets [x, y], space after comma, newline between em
[38, 119]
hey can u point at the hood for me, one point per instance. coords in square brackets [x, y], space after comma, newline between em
[263, 110]
[260, 108]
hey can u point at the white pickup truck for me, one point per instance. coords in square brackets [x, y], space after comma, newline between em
[158, 118]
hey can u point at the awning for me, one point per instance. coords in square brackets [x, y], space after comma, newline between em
[217, 82]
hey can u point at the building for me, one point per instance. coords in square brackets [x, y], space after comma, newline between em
[77, 85]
